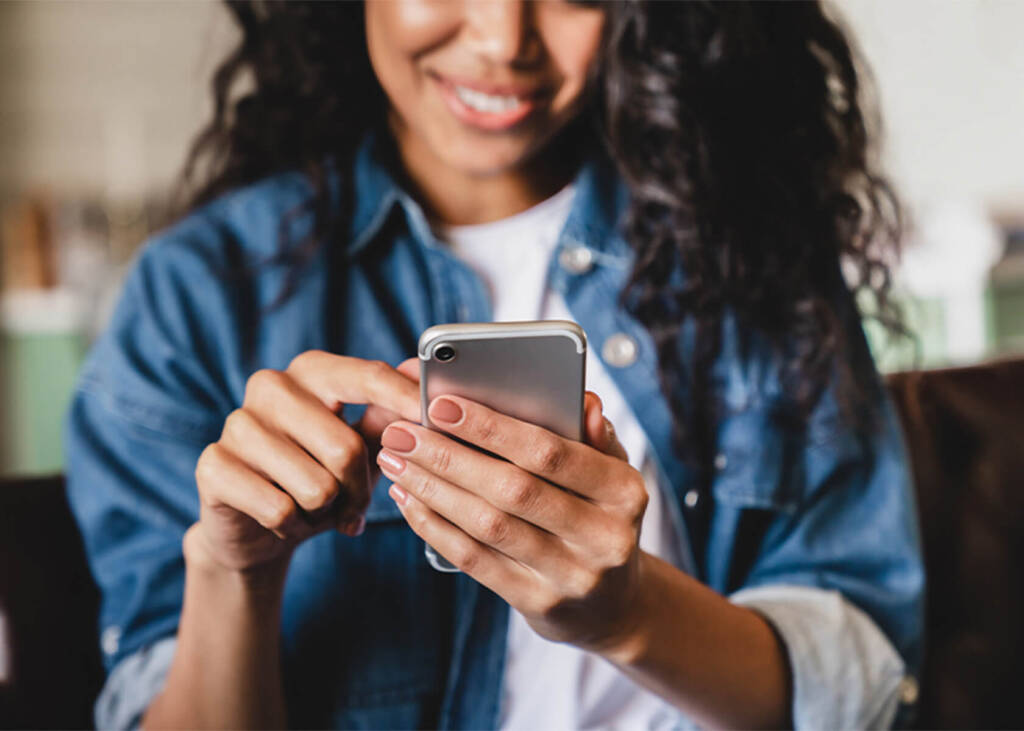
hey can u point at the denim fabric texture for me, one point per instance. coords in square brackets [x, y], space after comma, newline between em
[373, 637]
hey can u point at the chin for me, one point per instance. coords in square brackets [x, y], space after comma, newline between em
[483, 160]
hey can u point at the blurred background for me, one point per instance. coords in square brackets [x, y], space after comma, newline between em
[99, 100]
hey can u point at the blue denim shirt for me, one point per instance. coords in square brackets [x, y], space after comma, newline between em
[372, 635]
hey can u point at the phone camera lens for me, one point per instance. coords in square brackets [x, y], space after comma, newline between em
[444, 353]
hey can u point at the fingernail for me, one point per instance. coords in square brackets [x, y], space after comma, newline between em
[390, 462]
[445, 410]
[397, 494]
[398, 439]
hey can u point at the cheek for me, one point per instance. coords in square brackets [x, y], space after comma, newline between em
[412, 26]
[398, 34]
[573, 47]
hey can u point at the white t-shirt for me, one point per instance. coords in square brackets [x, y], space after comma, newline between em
[550, 685]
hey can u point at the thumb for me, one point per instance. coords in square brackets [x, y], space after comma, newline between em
[410, 368]
[598, 431]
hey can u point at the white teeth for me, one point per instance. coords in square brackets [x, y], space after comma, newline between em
[486, 102]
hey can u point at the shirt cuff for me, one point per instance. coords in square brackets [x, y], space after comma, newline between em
[133, 684]
[846, 674]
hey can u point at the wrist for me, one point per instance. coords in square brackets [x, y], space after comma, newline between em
[630, 642]
[264, 579]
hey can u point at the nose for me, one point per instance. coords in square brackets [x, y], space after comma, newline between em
[501, 30]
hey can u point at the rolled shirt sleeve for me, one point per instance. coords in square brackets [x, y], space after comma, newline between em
[133, 684]
[815, 527]
[846, 674]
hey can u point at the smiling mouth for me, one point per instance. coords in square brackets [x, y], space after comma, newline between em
[492, 103]
[488, 106]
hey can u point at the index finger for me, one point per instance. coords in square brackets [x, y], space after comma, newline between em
[562, 461]
[340, 379]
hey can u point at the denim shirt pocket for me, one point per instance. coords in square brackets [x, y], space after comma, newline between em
[754, 464]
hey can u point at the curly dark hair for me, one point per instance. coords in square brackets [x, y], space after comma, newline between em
[739, 127]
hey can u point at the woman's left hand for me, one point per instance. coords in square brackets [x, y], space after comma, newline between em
[553, 530]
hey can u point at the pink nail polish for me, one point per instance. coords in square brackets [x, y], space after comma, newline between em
[398, 439]
[445, 410]
[398, 494]
[390, 462]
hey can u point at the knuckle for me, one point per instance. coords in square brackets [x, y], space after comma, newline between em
[583, 584]
[619, 548]
[467, 557]
[346, 449]
[519, 492]
[337, 460]
[539, 603]
[443, 459]
[262, 381]
[376, 370]
[238, 424]
[301, 361]
[419, 522]
[642, 504]
[353, 442]
[494, 527]
[373, 377]
[325, 489]
[278, 514]
[428, 489]
[209, 463]
[548, 455]
[485, 429]
[638, 500]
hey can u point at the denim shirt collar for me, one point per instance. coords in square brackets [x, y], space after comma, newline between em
[601, 199]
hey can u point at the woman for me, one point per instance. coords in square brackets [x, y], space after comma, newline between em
[681, 179]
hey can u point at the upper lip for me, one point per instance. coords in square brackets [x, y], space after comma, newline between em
[486, 87]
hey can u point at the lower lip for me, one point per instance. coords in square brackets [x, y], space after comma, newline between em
[484, 120]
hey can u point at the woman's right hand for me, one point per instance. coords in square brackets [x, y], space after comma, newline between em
[287, 466]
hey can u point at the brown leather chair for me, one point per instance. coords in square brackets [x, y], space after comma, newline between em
[49, 603]
[965, 430]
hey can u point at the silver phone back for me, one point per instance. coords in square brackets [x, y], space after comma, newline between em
[533, 371]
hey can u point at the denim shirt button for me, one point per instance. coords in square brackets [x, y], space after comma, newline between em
[576, 259]
[619, 350]
[721, 461]
[691, 498]
[908, 690]
[110, 640]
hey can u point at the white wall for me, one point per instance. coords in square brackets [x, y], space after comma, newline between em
[103, 97]
[951, 78]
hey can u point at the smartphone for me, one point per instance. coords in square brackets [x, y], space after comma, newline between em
[533, 371]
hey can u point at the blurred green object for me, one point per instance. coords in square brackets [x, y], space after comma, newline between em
[1008, 318]
[38, 373]
[927, 320]
[927, 348]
